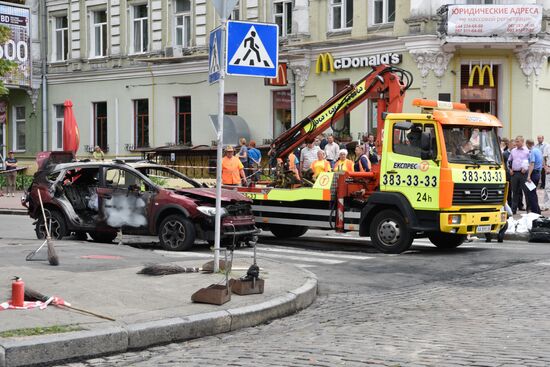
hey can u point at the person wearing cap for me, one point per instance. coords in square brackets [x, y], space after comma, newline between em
[232, 168]
[343, 164]
[11, 165]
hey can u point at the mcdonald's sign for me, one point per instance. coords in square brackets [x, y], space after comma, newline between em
[281, 80]
[481, 70]
[327, 63]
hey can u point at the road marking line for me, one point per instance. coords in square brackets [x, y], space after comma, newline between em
[183, 254]
[299, 258]
[315, 253]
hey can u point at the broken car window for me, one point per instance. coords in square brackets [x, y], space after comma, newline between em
[122, 179]
[168, 178]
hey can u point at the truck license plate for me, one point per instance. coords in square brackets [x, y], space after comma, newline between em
[483, 229]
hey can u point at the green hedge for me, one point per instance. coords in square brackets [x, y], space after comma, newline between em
[22, 183]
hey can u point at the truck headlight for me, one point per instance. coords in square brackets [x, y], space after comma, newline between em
[454, 219]
[210, 210]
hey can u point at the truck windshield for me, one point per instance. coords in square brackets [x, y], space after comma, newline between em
[472, 144]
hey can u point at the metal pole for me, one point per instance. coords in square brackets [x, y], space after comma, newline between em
[221, 87]
[117, 137]
[44, 54]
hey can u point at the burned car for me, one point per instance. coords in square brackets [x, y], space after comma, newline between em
[142, 198]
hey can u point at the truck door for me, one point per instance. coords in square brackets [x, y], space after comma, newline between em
[403, 169]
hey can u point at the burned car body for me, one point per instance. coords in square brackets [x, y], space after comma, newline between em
[101, 198]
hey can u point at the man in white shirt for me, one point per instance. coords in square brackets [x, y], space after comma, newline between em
[308, 155]
[331, 151]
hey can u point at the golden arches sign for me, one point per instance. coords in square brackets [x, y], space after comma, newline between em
[325, 63]
[481, 70]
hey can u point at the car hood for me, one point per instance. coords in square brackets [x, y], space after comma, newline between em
[227, 195]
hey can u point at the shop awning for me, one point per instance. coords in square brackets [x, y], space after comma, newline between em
[234, 128]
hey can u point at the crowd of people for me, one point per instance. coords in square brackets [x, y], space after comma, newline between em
[321, 154]
[528, 165]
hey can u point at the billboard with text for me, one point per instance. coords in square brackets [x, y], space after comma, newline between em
[17, 47]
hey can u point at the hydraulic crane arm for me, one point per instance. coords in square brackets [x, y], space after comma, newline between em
[385, 84]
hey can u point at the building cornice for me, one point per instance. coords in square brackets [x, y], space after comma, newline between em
[142, 71]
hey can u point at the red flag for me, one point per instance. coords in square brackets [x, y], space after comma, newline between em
[71, 135]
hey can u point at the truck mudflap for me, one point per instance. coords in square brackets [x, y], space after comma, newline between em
[472, 222]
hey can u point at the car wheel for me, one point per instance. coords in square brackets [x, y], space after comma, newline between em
[446, 241]
[389, 233]
[57, 225]
[286, 231]
[176, 233]
[103, 237]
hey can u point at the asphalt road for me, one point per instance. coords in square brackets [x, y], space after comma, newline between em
[479, 305]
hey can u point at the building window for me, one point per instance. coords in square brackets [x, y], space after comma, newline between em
[282, 12]
[141, 123]
[383, 11]
[341, 126]
[59, 111]
[341, 14]
[100, 125]
[230, 104]
[140, 29]
[183, 120]
[182, 22]
[19, 128]
[98, 33]
[282, 113]
[236, 12]
[372, 117]
[60, 40]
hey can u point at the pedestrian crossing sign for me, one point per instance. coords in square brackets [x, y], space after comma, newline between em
[252, 49]
[214, 55]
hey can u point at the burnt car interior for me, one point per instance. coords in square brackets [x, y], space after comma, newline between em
[79, 188]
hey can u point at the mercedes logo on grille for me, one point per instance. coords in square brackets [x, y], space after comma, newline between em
[484, 194]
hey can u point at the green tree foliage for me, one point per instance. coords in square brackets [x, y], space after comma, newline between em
[5, 65]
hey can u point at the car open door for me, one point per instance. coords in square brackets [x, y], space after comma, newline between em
[124, 198]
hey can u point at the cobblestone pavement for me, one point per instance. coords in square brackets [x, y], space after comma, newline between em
[493, 317]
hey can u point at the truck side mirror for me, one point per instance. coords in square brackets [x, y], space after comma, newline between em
[426, 146]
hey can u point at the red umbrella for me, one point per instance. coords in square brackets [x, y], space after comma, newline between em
[71, 136]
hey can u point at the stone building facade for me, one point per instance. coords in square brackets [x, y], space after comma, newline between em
[137, 70]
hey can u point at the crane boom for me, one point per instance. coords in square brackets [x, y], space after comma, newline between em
[385, 84]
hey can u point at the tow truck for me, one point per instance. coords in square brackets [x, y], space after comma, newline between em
[440, 173]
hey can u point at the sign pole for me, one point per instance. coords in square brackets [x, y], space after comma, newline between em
[221, 87]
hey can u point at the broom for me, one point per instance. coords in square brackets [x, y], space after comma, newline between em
[53, 259]
[33, 295]
[160, 269]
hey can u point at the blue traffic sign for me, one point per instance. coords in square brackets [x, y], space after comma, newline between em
[215, 55]
[252, 49]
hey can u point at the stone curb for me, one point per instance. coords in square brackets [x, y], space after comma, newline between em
[118, 339]
[13, 211]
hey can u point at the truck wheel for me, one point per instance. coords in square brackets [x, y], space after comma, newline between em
[176, 233]
[389, 233]
[446, 240]
[58, 227]
[103, 237]
[286, 231]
